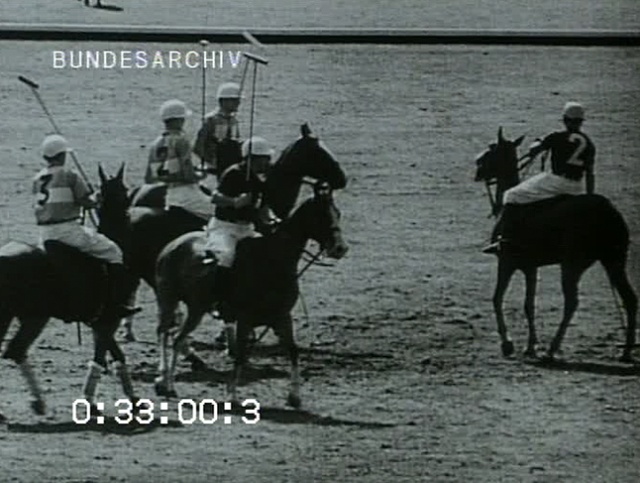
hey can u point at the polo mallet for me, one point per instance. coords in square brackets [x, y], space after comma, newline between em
[203, 44]
[253, 41]
[34, 88]
[256, 59]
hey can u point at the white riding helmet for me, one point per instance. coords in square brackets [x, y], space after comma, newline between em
[573, 110]
[259, 147]
[53, 145]
[228, 90]
[174, 109]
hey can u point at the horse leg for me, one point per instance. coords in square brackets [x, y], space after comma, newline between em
[180, 342]
[240, 357]
[167, 308]
[531, 281]
[95, 368]
[285, 333]
[127, 322]
[571, 273]
[619, 280]
[186, 349]
[505, 272]
[120, 364]
[30, 329]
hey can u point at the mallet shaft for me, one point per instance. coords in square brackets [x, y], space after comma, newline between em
[29, 82]
[255, 58]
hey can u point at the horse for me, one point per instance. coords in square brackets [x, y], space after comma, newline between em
[573, 231]
[152, 229]
[57, 280]
[265, 284]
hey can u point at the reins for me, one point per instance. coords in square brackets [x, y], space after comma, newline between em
[490, 182]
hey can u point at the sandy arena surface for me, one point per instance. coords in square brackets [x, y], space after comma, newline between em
[403, 377]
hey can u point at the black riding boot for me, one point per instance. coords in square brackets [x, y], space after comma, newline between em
[120, 286]
[504, 230]
[223, 292]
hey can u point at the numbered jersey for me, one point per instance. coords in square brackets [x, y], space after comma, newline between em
[572, 153]
[59, 195]
[169, 159]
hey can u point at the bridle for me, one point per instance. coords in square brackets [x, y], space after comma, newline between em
[494, 181]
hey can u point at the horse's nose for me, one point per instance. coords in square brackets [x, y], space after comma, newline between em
[338, 251]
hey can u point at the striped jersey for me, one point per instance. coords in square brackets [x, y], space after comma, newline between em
[170, 160]
[59, 195]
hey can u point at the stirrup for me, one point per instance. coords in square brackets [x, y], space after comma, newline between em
[495, 247]
[492, 248]
[209, 257]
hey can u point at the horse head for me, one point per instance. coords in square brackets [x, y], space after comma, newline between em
[305, 157]
[499, 161]
[114, 202]
[319, 219]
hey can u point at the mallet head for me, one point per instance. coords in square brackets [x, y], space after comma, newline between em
[255, 58]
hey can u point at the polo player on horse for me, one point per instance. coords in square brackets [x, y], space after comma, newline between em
[239, 205]
[572, 159]
[60, 194]
[170, 163]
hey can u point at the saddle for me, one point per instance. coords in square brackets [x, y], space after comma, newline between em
[59, 281]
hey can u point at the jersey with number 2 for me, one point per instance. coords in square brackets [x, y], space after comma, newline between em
[572, 153]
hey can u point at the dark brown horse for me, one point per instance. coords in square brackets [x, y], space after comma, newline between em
[61, 282]
[572, 231]
[265, 283]
[151, 228]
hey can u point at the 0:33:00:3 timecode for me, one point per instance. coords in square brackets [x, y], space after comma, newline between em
[145, 411]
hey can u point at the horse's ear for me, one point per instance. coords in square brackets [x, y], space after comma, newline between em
[500, 136]
[518, 141]
[305, 130]
[103, 177]
[120, 174]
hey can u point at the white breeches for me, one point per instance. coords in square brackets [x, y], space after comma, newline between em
[540, 187]
[84, 239]
[223, 236]
[190, 198]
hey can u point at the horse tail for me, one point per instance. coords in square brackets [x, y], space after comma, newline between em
[614, 243]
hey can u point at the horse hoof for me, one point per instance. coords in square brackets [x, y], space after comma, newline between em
[164, 391]
[38, 406]
[507, 348]
[530, 354]
[294, 401]
[3, 419]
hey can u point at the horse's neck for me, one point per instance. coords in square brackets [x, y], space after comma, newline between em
[114, 225]
[287, 248]
[282, 192]
[508, 180]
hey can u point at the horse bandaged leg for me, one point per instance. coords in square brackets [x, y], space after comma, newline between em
[94, 373]
[122, 372]
[29, 376]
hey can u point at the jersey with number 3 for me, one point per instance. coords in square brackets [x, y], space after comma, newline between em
[572, 153]
[59, 194]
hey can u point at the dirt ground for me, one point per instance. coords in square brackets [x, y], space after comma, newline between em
[403, 377]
